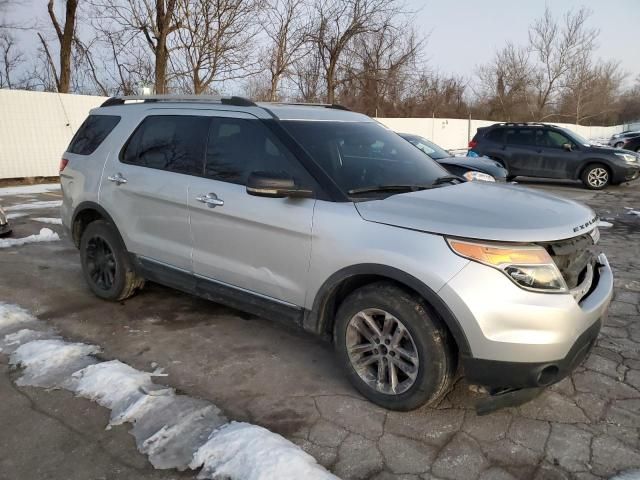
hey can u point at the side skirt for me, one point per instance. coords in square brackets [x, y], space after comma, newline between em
[225, 294]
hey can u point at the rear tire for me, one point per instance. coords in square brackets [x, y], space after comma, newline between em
[410, 360]
[596, 176]
[618, 145]
[106, 264]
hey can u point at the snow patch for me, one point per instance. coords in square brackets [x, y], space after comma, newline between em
[11, 216]
[34, 205]
[12, 341]
[29, 189]
[52, 221]
[633, 212]
[241, 451]
[12, 316]
[45, 235]
[602, 223]
[50, 363]
[628, 475]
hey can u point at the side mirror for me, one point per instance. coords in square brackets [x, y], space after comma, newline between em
[567, 147]
[274, 185]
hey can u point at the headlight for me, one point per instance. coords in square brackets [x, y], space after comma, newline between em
[529, 266]
[627, 157]
[471, 176]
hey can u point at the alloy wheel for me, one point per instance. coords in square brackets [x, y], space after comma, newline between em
[382, 351]
[598, 177]
[101, 263]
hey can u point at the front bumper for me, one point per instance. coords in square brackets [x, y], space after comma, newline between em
[521, 339]
[625, 173]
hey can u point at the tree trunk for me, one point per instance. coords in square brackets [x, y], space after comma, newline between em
[66, 44]
[331, 83]
[161, 65]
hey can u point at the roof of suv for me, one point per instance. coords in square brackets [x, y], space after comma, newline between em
[282, 111]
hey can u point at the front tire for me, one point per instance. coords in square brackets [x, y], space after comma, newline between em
[618, 145]
[106, 264]
[395, 350]
[596, 176]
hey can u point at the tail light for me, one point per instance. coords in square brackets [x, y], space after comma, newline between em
[473, 143]
[63, 164]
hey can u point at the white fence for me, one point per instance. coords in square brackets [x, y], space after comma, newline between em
[36, 127]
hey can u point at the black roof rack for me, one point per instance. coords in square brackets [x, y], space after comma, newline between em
[334, 106]
[233, 100]
[519, 124]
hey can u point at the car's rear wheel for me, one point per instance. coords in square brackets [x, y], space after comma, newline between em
[106, 264]
[618, 145]
[596, 176]
[396, 351]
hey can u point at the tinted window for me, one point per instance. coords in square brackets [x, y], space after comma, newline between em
[496, 135]
[169, 142]
[363, 154]
[551, 138]
[521, 136]
[92, 133]
[237, 147]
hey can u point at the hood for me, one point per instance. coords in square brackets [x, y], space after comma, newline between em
[484, 211]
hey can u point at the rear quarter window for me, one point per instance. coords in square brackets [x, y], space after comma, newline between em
[496, 135]
[92, 133]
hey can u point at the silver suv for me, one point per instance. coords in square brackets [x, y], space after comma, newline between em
[324, 218]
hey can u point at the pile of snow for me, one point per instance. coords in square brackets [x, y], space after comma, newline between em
[174, 431]
[29, 189]
[602, 223]
[45, 235]
[628, 475]
[244, 451]
[12, 317]
[34, 205]
[11, 216]
[50, 363]
[52, 221]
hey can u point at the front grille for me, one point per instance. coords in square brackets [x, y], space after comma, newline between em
[572, 257]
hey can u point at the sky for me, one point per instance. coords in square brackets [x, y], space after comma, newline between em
[466, 33]
[463, 34]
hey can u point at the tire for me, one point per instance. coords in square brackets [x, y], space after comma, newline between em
[596, 176]
[510, 178]
[618, 145]
[435, 360]
[106, 264]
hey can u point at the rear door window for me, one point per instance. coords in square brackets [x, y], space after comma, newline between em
[92, 133]
[496, 135]
[169, 142]
[237, 147]
[521, 136]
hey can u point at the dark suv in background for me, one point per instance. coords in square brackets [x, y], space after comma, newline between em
[541, 150]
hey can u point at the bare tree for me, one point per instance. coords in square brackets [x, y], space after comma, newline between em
[505, 82]
[307, 76]
[11, 59]
[339, 22]
[558, 46]
[287, 29]
[215, 41]
[65, 34]
[132, 23]
[382, 69]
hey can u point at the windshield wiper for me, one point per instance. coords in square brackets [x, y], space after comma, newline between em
[447, 179]
[386, 188]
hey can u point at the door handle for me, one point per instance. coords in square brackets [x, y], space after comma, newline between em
[211, 200]
[117, 178]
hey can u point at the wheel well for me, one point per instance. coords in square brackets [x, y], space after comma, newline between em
[329, 308]
[590, 163]
[82, 221]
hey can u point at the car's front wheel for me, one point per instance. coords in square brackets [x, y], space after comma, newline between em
[396, 351]
[596, 176]
[106, 264]
[619, 145]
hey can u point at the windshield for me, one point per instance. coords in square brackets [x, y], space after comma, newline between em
[575, 137]
[358, 155]
[430, 148]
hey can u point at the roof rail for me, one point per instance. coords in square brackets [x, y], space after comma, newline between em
[520, 124]
[334, 106]
[233, 100]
